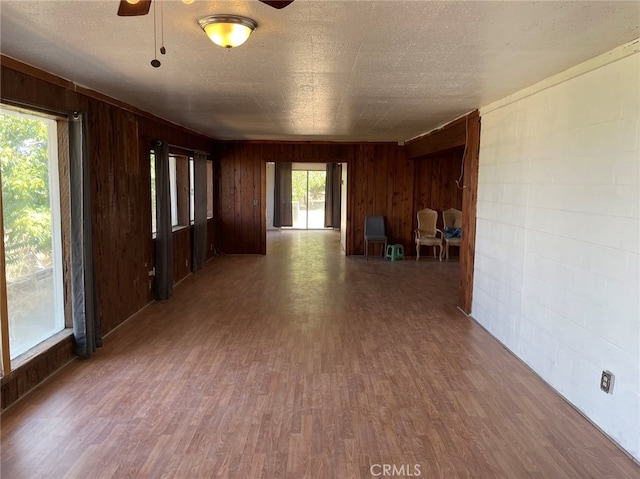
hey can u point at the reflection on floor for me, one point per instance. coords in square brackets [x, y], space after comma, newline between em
[304, 363]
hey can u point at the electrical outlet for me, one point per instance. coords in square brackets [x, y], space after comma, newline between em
[606, 382]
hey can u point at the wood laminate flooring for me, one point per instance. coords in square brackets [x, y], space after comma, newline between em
[304, 364]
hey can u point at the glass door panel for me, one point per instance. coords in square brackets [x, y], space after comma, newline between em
[299, 199]
[315, 199]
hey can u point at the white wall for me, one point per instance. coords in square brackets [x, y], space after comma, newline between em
[557, 275]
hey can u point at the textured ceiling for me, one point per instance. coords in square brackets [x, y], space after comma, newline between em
[316, 70]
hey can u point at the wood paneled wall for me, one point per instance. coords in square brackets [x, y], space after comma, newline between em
[240, 215]
[380, 181]
[211, 238]
[24, 378]
[435, 183]
[182, 253]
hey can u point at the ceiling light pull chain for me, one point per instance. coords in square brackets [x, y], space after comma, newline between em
[155, 62]
[163, 50]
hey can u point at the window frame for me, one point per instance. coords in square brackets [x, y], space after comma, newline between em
[179, 187]
[57, 171]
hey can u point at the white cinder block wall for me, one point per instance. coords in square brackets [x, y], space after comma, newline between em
[558, 235]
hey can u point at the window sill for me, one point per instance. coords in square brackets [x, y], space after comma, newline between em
[179, 228]
[39, 349]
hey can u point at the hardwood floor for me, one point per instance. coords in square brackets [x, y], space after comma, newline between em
[304, 364]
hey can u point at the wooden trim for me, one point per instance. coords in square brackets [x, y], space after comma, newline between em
[34, 72]
[469, 204]
[5, 355]
[450, 136]
[303, 142]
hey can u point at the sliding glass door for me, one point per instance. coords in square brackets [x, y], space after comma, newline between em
[308, 190]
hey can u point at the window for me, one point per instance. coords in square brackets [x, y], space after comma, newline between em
[179, 187]
[32, 228]
[180, 190]
[173, 191]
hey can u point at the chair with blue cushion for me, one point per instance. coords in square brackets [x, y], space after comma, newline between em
[452, 219]
[374, 232]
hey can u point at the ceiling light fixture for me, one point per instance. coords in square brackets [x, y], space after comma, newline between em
[227, 30]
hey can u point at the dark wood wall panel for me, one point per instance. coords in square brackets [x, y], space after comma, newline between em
[435, 183]
[380, 182]
[182, 256]
[452, 135]
[240, 199]
[211, 238]
[28, 376]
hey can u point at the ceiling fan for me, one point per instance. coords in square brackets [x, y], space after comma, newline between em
[134, 8]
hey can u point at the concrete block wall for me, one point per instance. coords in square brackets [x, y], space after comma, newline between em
[557, 274]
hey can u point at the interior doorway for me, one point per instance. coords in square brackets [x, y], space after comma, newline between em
[317, 197]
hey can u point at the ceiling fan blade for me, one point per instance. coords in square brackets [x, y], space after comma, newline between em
[127, 9]
[277, 4]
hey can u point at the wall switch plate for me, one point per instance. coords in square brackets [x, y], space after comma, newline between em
[606, 382]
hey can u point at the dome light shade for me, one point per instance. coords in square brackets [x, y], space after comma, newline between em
[227, 30]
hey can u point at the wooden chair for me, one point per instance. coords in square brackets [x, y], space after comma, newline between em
[452, 219]
[427, 234]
